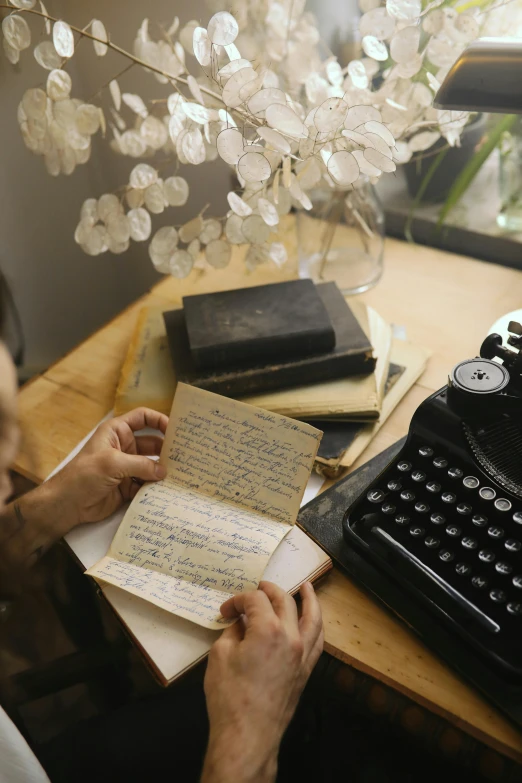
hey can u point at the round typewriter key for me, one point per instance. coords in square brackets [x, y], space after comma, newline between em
[480, 582]
[517, 581]
[498, 596]
[453, 530]
[422, 508]
[512, 545]
[438, 519]
[471, 482]
[388, 508]
[407, 496]
[495, 532]
[463, 569]
[448, 497]
[416, 531]
[502, 504]
[446, 555]
[469, 543]
[425, 451]
[517, 517]
[433, 487]
[440, 462]
[418, 476]
[376, 495]
[486, 555]
[464, 509]
[394, 485]
[514, 607]
[503, 568]
[487, 493]
[431, 542]
[402, 519]
[479, 520]
[455, 473]
[404, 467]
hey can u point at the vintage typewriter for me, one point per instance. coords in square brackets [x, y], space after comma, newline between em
[444, 519]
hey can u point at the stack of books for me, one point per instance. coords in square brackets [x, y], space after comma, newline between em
[293, 348]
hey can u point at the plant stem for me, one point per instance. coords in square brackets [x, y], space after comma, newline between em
[422, 190]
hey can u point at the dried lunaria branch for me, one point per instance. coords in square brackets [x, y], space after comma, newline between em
[283, 117]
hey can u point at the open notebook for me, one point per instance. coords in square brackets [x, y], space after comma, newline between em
[152, 578]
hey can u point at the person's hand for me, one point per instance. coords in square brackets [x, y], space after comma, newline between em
[110, 468]
[256, 672]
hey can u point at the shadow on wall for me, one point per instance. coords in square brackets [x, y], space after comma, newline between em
[61, 293]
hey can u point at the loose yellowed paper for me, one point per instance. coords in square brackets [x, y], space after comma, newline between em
[236, 476]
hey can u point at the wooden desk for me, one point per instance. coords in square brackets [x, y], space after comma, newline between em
[447, 303]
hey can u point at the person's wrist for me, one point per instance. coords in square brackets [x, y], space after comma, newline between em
[54, 505]
[245, 754]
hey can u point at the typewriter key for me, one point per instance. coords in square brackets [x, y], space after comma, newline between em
[514, 607]
[502, 504]
[376, 495]
[455, 473]
[422, 508]
[448, 497]
[388, 508]
[464, 509]
[487, 493]
[454, 531]
[495, 532]
[418, 476]
[433, 487]
[394, 485]
[404, 467]
[512, 545]
[517, 517]
[440, 462]
[471, 482]
[431, 542]
[416, 531]
[425, 451]
[498, 596]
[402, 520]
[469, 543]
[446, 555]
[486, 555]
[407, 496]
[503, 568]
[517, 581]
[480, 582]
[479, 520]
[438, 519]
[464, 569]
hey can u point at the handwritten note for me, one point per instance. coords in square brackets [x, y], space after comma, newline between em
[236, 475]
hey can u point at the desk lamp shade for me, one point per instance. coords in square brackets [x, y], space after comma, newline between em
[487, 77]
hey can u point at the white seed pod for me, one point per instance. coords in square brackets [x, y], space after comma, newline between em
[117, 248]
[256, 256]
[194, 248]
[232, 51]
[259, 102]
[34, 102]
[358, 115]
[268, 212]
[358, 138]
[135, 198]
[197, 113]
[233, 230]
[64, 112]
[26, 4]
[114, 89]
[275, 139]
[379, 144]
[365, 166]
[211, 230]
[230, 145]
[278, 254]
[227, 70]
[16, 32]
[252, 86]
[68, 165]
[154, 198]
[222, 29]
[135, 104]
[191, 230]
[98, 29]
[218, 253]
[343, 168]
[377, 22]
[77, 140]
[13, 55]
[176, 126]
[423, 141]
[46, 55]
[284, 119]
[405, 44]
[176, 191]
[334, 73]
[195, 89]
[254, 167]
[89, 211]
[380, 161]
[96, 241]
[193, 147]
[201, 46]
[402, 152]
[164, 241]
[330, 114]
[284, 202]
[154, 132]
[108, 205]
[63, 39]
[59, 85]
[118, 228]
[381, 130]
[88, 118]
[422, 95]
[358, 75]
[374, 48]
[231, 90]
[433, 82]
[84, 227]
[407, 70]
[238, 205]
[404, 9]
[83, 156]
[255, 230]
[142, 176]
[180, 263]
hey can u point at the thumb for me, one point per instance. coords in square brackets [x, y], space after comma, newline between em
[135, 466]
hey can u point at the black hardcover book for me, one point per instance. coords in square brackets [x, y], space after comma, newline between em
[352, 355]
[264, 323]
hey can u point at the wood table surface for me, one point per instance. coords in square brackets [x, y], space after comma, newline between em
[446, 303]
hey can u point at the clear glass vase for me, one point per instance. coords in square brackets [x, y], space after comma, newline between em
[510, 172]
[341, 238]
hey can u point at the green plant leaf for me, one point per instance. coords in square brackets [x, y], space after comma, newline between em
[422, 190]
[470, 171]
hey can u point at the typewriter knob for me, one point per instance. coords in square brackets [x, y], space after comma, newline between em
[475, 380]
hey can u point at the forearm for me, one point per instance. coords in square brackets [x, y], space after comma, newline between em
[243, 762]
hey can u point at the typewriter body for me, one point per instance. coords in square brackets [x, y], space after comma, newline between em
[444, 519]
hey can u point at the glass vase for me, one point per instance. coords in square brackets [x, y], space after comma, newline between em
[510, 173]
[341, 238]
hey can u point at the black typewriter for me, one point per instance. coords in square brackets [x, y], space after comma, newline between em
[444, 518]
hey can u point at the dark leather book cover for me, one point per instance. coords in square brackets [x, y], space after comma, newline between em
[263, 323]
[352, 355]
